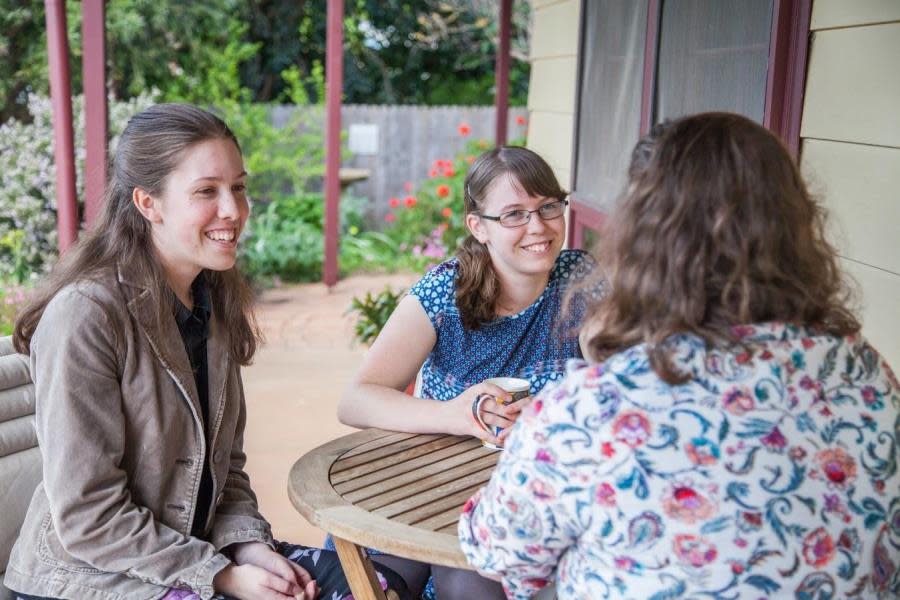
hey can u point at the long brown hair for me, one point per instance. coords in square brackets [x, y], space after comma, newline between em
[477, 285]
[717, 230]
[149, 149]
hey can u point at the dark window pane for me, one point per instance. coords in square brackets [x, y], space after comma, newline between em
[713, 55]
[609, 103]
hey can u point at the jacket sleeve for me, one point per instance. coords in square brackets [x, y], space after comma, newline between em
[80, 428]
[237, 517]
[531, 511]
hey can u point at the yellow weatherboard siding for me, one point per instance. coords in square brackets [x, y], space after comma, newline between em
[551, 92]
[846, 13]
[556, 93]
[853, 87]
[851, 151]
[858, 185]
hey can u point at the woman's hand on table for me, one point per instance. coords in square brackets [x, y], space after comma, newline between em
[461, 420]
[260, 572]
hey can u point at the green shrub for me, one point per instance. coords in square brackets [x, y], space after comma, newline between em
[373, 312]
[284, 239]
[13, 297]
[28, 239]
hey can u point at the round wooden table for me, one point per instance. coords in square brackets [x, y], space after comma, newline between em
[401, 493]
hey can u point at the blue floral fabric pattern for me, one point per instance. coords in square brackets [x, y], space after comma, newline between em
[772, 472]
[533, 344]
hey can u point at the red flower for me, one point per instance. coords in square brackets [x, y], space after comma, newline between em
[838, 466]
[390, 217]
[694, 551]
[543, 455]
[410, 201]
[632, 427]
[774, 440]
[687, 504]
[807, 343]
[737, 568]
[818, 548]
[520, 120]
[446, 212]
[443, 191]
[394, 202]
[607, 449]
[605, 495]
[433, 173]
[464, 129]
[449, 172]
[738, 401]
[408, 186]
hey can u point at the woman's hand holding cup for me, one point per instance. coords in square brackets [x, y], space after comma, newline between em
[484, 395]
[492, 407]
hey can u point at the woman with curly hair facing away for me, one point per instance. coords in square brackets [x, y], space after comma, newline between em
[733, 434]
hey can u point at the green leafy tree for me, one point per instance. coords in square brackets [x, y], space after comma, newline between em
[396, 51]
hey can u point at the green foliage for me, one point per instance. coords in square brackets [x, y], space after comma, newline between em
[373, 312]
[396, 51]
[13, 297]
[23, 55]
[285, 241]
[28, 239]
[282, 161]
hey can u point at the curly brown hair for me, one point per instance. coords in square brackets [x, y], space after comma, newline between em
[717, 230]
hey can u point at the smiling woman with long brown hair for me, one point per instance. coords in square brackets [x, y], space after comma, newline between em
[136, 343]
[733, 435]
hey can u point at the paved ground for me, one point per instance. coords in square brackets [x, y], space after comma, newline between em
[294, 384]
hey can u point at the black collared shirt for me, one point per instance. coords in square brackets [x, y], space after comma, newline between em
[194, 328]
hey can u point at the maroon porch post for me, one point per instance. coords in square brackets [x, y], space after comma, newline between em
[63, 144]
[93, 65]
[786, 78]
[501, 73]
[648, 84]
[334, 75]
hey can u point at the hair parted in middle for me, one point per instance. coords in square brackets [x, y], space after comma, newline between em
[151, 147]
[716, 229]
[477, 285]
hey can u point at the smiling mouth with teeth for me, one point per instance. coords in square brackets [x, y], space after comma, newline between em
[542, 247]
[221, 235]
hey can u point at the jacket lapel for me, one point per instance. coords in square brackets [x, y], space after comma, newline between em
[217, 357]
[165, 340]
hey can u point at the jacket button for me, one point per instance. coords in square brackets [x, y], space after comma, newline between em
[217, 455]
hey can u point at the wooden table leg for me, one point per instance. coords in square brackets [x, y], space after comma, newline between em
[359, 571]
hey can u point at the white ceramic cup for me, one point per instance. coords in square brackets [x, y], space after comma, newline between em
[517, 389]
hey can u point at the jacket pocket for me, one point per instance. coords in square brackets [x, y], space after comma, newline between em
[51, 551]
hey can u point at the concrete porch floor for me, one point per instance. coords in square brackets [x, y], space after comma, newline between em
[293, 387]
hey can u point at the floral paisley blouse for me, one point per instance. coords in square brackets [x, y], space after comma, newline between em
[773, 472]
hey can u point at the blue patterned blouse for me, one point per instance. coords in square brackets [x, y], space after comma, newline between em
[533, 344]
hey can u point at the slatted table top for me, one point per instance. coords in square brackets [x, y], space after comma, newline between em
[401, 493]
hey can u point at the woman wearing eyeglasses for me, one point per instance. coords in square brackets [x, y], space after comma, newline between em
[496, 309]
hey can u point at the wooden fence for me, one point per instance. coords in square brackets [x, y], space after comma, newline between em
[409, 140]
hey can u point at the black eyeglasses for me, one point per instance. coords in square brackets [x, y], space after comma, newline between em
[517, 218]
